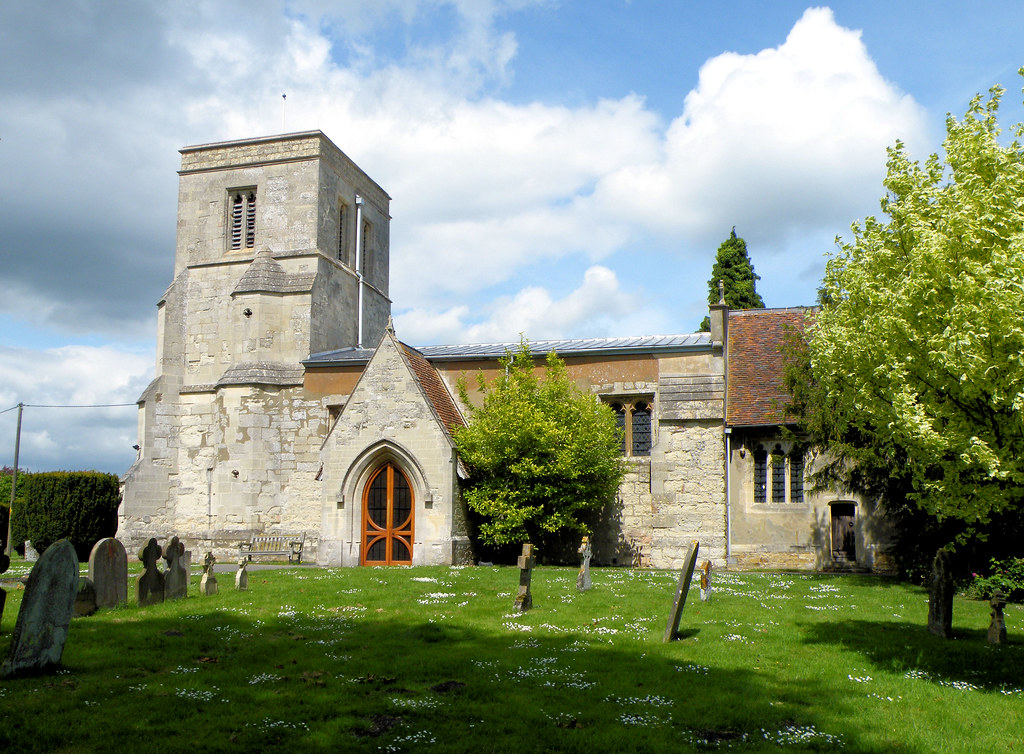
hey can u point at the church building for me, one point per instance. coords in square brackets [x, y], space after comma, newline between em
[285, 402]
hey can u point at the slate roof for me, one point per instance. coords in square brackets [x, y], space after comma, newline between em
[564, 347]
[434, 389]
[756, 394]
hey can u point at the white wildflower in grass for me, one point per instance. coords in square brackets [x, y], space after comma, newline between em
[647, 721]
[424, 579]
[884, 698]
[268, 724]
[264, 678]
[650, 700]
[736, 637]
[181, 670]
[405, 703]
[517, 627]
[798, 735]
[420, 737]
[691, 668]
[434, 598]
[860, 678]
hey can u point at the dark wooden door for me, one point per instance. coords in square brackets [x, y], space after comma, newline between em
[844, 535]
[387, 518]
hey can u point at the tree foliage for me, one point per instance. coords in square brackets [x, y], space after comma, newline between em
[916, 357]
[541, 452]
[734, 268]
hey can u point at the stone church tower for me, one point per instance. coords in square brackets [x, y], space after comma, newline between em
[282, 251]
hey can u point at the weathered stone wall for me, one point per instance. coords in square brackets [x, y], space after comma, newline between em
[795, 534]
[388, 418]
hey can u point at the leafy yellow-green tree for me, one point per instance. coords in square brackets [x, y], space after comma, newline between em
[918, 348]
[540, 451]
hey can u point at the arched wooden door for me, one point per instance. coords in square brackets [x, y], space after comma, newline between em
[387, 518]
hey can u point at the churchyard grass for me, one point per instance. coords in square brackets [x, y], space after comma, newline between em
[433, 659]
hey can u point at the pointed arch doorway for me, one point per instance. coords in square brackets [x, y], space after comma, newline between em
[387, 529]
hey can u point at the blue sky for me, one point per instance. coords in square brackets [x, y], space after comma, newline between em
[558, 169]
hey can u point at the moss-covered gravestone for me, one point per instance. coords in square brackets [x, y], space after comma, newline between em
[45, 614]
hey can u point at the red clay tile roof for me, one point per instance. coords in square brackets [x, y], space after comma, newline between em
[755, 394]
[434, 389]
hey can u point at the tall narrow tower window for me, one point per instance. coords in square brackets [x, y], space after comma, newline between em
[367, 251]
[343, 256]
[242, 222]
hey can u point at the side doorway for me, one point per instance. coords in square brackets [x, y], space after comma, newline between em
[387, 528]
[844, 532]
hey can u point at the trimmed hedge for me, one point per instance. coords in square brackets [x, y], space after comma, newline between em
[77, 505]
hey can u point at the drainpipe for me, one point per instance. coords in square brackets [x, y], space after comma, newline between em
[359, 271]
[728, 490]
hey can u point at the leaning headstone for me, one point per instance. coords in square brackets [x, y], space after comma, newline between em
[208, 583]
[176, 575]
[940, 596]
[85, 600]
[31, 556]
[42, 625]
[685, 577]
[583, 582]
[997, 629]
[705, 581]
[108, 570]
[4, 563]
[149, 587]
[242, 576]
[524, 600]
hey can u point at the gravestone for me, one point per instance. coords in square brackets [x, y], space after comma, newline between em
[242, 576]
[685, 577]
[705, 581]
[176, 575]
[997, 629]
[31, 556]
[208, 583]
[583, 582]
[940, 596]
[42, 625]
[85, 599]
[5, 562]
[108, 570]
[149, 587]
[524, 600]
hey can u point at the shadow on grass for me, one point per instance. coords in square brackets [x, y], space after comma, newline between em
[221, 680]
[903, 647]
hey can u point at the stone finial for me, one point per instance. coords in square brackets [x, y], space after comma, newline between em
[391, 325]
[721, 292]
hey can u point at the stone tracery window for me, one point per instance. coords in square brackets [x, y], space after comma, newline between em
[633, 418]
[783, 471]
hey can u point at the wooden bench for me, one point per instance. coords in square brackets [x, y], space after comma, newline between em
[273, 545]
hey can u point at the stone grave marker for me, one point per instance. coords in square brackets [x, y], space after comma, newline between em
[5, 563]
[997, 629]
[85, 599]
[108, 570]
[208, 583]
[176, 575]
[940, 596]
[685, 577]
[149, 587]
[705, 581]
[583, 582]
[524, 600]
[242, 576]
[42, 625]
[31, 556]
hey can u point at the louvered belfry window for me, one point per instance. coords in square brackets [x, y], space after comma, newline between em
[243, 219]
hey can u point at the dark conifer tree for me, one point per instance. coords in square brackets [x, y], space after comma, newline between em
[733, 268]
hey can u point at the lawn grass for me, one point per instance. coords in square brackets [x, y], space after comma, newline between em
[432, 659]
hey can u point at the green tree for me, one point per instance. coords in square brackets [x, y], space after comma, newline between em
[916, 357]
[541, 452]
[733, 267]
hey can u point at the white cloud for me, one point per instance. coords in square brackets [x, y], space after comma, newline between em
[52, 381]
[788, 139]
[532, 312]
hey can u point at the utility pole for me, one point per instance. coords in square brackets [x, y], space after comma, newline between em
[14, 482]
